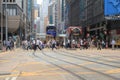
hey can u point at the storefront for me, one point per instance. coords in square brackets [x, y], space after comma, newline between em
[114, 30]
[115, 34]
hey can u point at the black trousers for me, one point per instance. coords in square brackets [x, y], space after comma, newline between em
[53, 46]
[8, 47]
[37, 46]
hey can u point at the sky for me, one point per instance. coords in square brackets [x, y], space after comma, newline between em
[39, 1]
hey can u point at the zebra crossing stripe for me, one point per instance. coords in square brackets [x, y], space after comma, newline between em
[12, 78]
[8, 78]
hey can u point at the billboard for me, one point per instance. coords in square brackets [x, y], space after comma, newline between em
[111, 7]
[51, 30]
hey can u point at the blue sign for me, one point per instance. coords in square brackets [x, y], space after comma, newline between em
[53, 33]
[111, 7]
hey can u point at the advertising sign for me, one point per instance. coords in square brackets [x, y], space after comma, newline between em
[111, 7]
[53, 33]
[51, 30]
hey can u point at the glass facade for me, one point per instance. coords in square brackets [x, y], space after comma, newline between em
[13, 10]
[29, 9]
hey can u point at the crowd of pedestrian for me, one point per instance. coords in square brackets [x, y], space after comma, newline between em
[56, 44]
[39, 44]
[90, 44]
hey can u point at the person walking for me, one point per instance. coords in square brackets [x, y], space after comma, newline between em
[38, 43]
[12, 44]
[28, 45]
[53, 44]
[99, 45]
[73, 43]
[8, 46]
[81, 44]
[103, 44]
[68, 44]
[113, 44]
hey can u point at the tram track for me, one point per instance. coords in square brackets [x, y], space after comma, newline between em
[71, 63]
[87, 58]
[101, 55]
[60, 67]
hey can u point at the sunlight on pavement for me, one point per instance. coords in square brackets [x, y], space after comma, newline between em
[30, 63]
[50, 73]
[113, 71]
[4, 61]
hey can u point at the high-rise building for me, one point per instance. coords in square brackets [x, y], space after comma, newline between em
[36, 11]
[37, 19]
[17, 17]
[14, 17]
[2, 21]
[91, 16]
[97, 23]
[29, 18]
[43, 18]
[51, 12]
[25, 22]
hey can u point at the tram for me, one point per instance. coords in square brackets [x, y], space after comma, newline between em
[51, 32]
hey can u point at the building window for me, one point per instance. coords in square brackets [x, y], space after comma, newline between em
[14, 12]
[3, 0]
[10, 0]
[22, 4]
[13, 0]
[10, 12]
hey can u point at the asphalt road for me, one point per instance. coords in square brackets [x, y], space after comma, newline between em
[60, 64]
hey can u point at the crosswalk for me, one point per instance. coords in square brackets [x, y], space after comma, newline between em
[14, 75]
[11, 78]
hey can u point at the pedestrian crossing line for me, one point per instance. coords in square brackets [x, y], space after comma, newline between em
[7, 78]
[12, 78]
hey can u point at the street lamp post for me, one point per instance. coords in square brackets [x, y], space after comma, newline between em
[1, 22]
[6, 21]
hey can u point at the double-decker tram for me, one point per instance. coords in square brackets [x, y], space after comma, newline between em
[51, 32]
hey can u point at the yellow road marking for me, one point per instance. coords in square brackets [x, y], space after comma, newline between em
[30, 63]
[113, 71]
[40, 73]
[3, 61]
[50, 73]
[54, 73]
